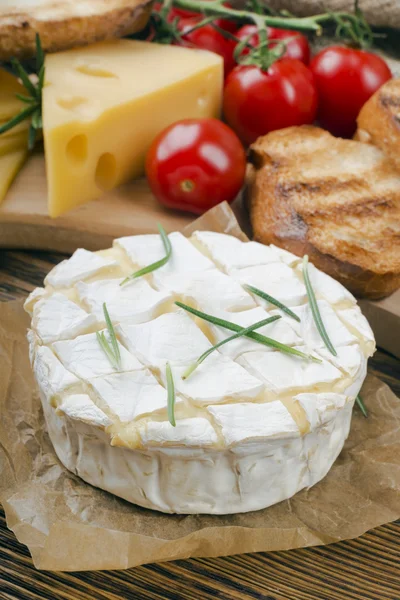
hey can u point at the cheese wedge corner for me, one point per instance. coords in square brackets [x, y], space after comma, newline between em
[104, 104]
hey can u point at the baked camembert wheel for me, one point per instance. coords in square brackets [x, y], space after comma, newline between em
[248, 424]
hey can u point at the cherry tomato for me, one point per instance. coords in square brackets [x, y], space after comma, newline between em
[210, 39]
[345, 79]
[256, 101]
[195, 164]
[298, 47]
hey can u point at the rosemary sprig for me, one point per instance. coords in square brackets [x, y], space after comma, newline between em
[315, 310]
[155, 265]
[33, 99]
[271, 300]
[261, 339]
[362, 406]
[320, 326]
[171, 395]
[237, 335]
[112, 351]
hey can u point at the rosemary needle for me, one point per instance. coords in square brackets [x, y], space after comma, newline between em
[320, 326]
[237, 335]
[155, 265]
[112, 351]
[361, 405]
[315, 310]
[271, 300]
[261, 339]
[171, 395]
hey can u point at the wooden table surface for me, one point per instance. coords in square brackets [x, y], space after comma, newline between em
[367, 568]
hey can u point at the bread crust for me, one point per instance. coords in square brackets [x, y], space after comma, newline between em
[379, 121]
[336, 200]
[61, 26]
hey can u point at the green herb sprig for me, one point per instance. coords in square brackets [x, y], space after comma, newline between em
[110, 350]
[271, 300]
[241, 333]
[315, 310]
[33, 99]
[171, 395]
[320, 326]
[261, 339]
[158, 263]
[362, 406]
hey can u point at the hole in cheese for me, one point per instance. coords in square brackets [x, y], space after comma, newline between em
[72, 102]
[95, 71]
[77, 148]
[106, 171]
[204, 100]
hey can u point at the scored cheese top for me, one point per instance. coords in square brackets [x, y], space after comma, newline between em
[242, 394]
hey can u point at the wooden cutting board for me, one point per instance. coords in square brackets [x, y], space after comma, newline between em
[127, 210]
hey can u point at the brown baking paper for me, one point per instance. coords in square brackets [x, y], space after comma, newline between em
[69, 525]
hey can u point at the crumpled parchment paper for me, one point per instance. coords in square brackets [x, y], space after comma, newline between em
[69, 525]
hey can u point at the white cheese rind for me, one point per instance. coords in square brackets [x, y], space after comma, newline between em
[230, 253]
[277, 330]
[57, 318]
[203, 479]
[135, 302]
[358, 324]
[196, 432]
[276, 279]
[208, 290]
[130, 395]
[81, 408]
[253, 425]
[86, 359]
[250, 422]
[172, 337]
[52, 377]
[82, 265]
[144, 250]
[307, 330]
[35, 296]
[326, 287]
[215, 380]
[284, 373]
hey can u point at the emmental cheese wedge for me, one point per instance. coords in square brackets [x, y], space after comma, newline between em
[252, 425]
[104, 104]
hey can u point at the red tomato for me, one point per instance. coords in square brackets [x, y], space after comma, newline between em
[195, 164]
[345, 79]
[298, 47]
[209, 38]
[256, 101]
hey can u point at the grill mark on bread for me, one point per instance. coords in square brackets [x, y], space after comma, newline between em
[316, 194]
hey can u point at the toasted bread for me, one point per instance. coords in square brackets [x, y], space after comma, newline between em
[379, 121]
[336, 200]
[65, 24]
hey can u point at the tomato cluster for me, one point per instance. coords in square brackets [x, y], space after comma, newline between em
[291, 90]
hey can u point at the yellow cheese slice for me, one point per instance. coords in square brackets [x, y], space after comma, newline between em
[104, 104]
[19, 141]
[9, 103]
[10, 164]
[21, 127]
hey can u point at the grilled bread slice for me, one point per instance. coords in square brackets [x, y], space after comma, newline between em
[65, 24]
[336, 200]
[379, 120]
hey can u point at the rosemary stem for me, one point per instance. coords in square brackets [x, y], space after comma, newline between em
[361, 405]
[237, 335]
